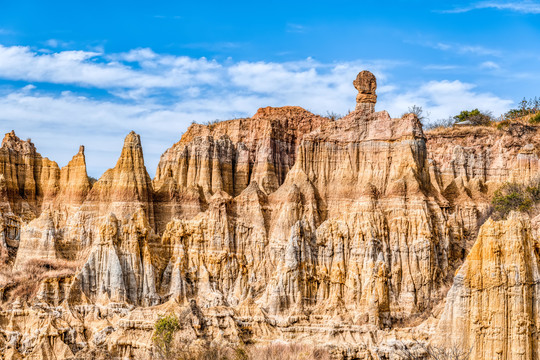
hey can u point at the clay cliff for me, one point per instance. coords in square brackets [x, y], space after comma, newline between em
[493, 305]
[283, 226]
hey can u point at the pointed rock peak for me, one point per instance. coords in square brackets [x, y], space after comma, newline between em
[132, 139]
[140, 219]
[132, 159]
[132, 150]
[74, 182]
[109, 229]
[11, 136]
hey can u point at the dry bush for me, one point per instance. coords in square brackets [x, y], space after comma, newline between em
[24, 283]
[185, 351]
[288, 352]
[421, 351]
[213, 351]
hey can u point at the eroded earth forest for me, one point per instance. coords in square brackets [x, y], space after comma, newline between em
[364, 235]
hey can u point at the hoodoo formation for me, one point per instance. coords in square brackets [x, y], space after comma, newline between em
[362, 234]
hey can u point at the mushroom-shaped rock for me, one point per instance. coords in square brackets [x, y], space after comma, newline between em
[366, 84]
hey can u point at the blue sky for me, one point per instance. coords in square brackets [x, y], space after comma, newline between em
[87, 73]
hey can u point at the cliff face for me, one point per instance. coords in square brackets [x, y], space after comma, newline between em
[285, 225]
[493, 305]
[228, 156]
[467, 164]
[30, 180]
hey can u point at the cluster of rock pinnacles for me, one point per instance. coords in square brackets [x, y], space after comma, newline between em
[284, 226]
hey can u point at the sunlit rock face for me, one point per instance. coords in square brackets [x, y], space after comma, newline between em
[286, 225]
[493, 305]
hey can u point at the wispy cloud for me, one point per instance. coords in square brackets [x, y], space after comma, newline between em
[94, 69]
[465, 49]
[217, 46]
[441, 67]
[525, 7]
[490, 65]
[172, 17]
[296, 28]
[55, 43]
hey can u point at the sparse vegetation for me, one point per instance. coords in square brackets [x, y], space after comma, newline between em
[419, 112]
[167, 326]
[527, 107]
[164, 330]
[288, 352]
[474, 117]
[420, 351]
[535, 119]
[333, 116]
[212, 123]
[92, 180]
[440, 123]
[25, 283]
[515, 197]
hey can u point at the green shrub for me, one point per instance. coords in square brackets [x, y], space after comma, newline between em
[164, 330]
[476, 117]
[535, 119]
[515, 197]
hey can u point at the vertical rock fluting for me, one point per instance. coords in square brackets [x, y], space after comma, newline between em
[43, 237]
[29, 178]
[228, 156]
[493, 306]
[467, 164]
[398, 238]
[119, 268]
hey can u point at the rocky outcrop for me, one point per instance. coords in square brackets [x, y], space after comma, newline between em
[366, 84]
[467, 164]
[228, 156]
[29, 178]
[493, 305]
[124, 189]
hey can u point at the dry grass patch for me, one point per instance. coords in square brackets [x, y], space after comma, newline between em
[288, 352]
[25, 283]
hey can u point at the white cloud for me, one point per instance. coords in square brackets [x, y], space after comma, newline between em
[465, 49]
[440, 67]
[525, 7]
[93, 69]
[445, 98]
[490, 65]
